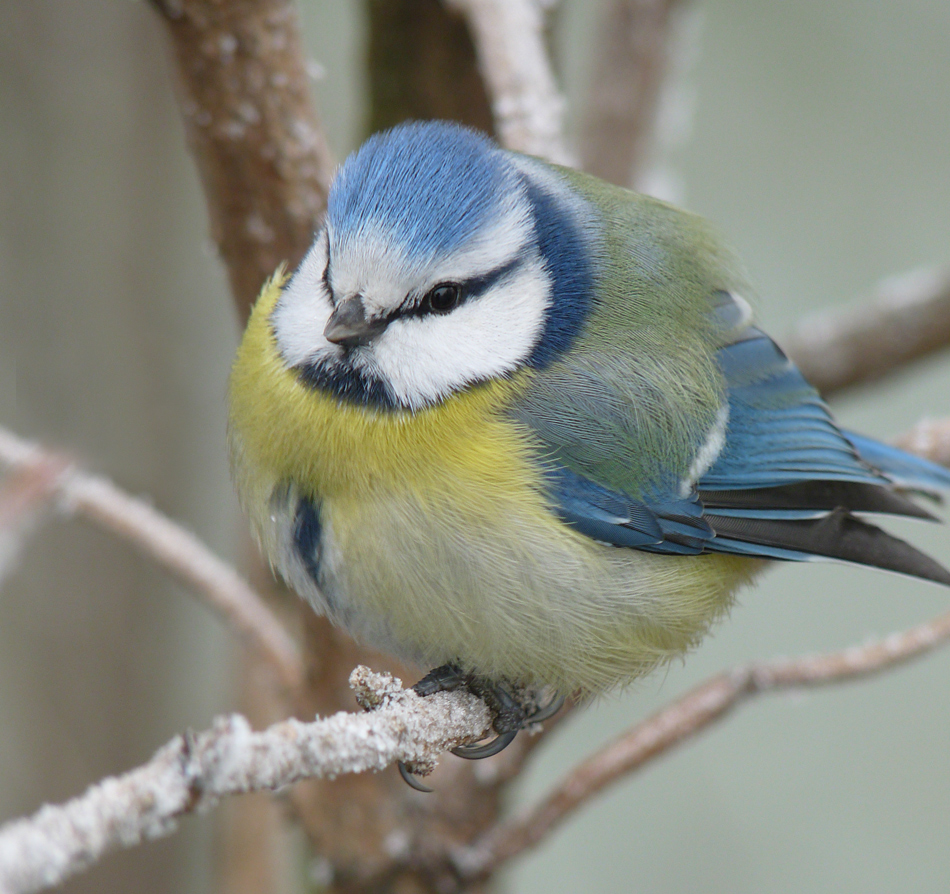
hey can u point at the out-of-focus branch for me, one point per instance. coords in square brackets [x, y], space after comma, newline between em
[908, 318]
[679, 722]
[23, 495]
[255, 135]
[178, 550]
[422, 65]
[930, 439]
[631, 61]
[514, 63]
[193, 772]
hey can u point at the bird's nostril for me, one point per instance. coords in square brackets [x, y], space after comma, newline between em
[348, 325]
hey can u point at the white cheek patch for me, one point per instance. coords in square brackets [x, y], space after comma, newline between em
[303, 309]
[424, 359]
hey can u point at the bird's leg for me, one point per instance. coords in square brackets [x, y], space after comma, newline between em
[509, 716]
[507, 713]
[446, 678]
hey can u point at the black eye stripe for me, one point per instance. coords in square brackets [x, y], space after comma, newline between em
[470, 289]
[475, 288]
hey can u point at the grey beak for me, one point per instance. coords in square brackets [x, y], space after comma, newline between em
[348, 325]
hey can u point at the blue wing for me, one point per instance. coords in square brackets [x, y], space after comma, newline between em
[784, 485]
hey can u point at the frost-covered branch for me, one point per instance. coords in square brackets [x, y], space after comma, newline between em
[181, 552]
[516, 67]
[193, 772]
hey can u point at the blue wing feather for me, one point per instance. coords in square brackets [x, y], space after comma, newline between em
[608, 516]
[780, 432]
[904, 469]
[783, 486]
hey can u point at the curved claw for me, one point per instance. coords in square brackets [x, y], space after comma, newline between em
[411, 780]
[548, 711]
[477, 752]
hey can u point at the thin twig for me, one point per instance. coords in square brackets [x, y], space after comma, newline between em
[177, 549]
[261, 154]
[515, 65]
[193, 772]
[907, 319]
[679, 722]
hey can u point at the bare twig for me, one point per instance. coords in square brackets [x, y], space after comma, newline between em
[99, 500]
[906, 320]
[255, 134]
[514, 62]
[682, 720]
[193, 772]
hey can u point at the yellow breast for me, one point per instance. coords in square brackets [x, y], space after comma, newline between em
[289, 431]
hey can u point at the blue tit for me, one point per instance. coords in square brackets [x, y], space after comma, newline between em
[510, 418]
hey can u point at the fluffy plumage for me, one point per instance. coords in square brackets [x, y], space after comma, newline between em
[509, 416]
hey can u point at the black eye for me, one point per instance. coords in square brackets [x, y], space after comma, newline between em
[443, 298]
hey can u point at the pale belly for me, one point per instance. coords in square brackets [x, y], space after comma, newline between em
[504, 592]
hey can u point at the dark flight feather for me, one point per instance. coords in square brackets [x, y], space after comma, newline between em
[838, 535]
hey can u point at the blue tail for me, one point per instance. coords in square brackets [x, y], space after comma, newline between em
[905, 469]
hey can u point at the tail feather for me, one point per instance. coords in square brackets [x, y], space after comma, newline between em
[904, 469]
[837, 535]
[815, 496]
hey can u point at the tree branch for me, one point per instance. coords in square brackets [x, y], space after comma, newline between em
[633, 57]
[682, 720]
[193, 772]
[907, 319]
[514, 63]
[257, 143]
[422, 65]
[253, 130]
[929, 439]
[178, 550]
[23, 495]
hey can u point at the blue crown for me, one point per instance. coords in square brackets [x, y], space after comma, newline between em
[432, 185]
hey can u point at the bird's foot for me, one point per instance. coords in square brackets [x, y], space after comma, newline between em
[508, 713]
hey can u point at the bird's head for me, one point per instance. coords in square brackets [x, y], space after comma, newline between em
[444, 261]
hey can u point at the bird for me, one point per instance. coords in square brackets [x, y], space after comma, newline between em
[519, 425]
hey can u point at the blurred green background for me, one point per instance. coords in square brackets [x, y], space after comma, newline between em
[820, 142]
